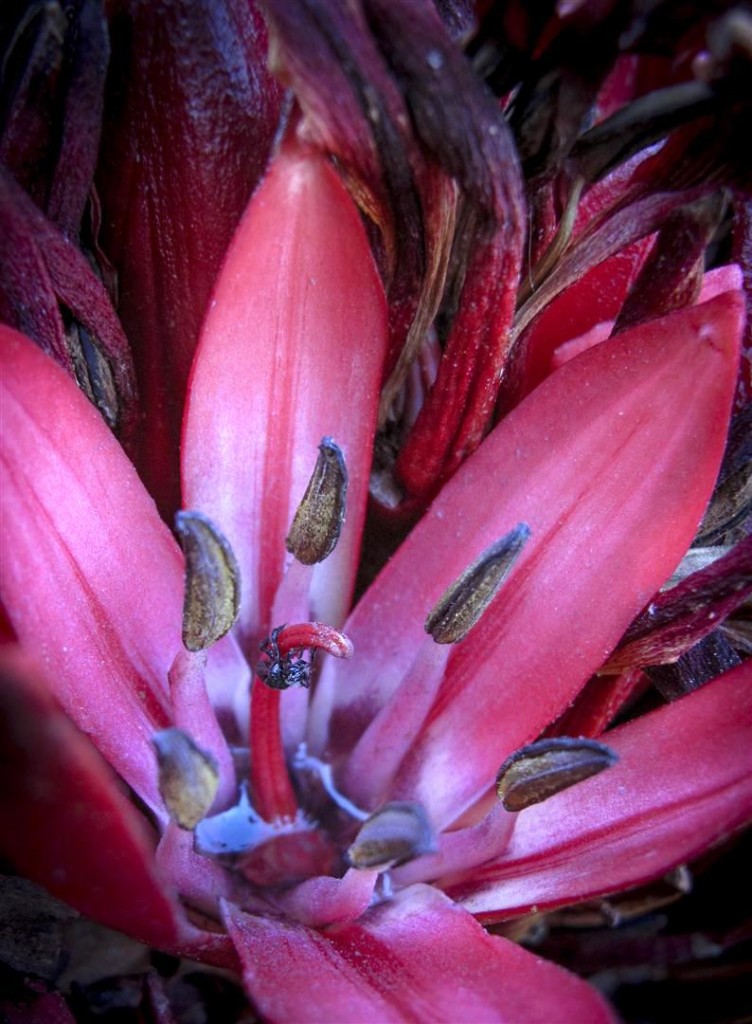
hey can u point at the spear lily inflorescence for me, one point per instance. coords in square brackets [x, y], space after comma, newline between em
[378, 299]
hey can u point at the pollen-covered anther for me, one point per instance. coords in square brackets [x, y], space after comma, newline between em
[188, 777]
[318, 520]
[212, 581]
[546, 767]
[397, 833]
[463, 603]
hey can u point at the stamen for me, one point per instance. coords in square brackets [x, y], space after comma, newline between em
[396, 833]
[467, 598]
[188, 777]
[318, 520]
[212, 581]
[546, 767]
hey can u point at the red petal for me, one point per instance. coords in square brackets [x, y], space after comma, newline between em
[291, 351]
[189, 122]
[683, 782]
[43, 275]
[597, 296]
[743, 253]
[47, 1009]
[612, 494]
[67, 825]
[417, 957]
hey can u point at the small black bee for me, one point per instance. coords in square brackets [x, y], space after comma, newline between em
[281, 671]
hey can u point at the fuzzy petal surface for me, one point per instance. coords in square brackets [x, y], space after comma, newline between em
[67, 825]
[683, 782]
[610, 462]
[291, 352]
[415, 958]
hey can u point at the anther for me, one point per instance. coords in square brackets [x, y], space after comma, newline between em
[396, 833]
[188, 777]
[546, 767]
[463, 603]
[319, 517]
[212, 581]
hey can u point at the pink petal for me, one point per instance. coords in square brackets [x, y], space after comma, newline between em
[683, 782]
[715, 282]
[327, 900]
[417, 957]
[728, 278]
[462, 849]
[67, 825]
[92, 579]
[291, 351]
[612, 496]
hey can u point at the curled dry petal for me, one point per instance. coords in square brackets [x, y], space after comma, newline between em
[59, 56]
[430, 159]
[673, 272]
[66, 823]
[49, 291]
[682, 616]
[300, 308]
[612, 496]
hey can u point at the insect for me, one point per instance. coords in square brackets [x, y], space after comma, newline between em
[281, 671]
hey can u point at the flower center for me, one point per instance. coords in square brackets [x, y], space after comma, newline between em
[298, 824]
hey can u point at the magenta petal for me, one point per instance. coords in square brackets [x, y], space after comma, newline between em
[683, 781]
[418, 957]
[612, 496]
[92, 579]
[291, 351]
[324, 900]
[47, 1009]
[66, 823]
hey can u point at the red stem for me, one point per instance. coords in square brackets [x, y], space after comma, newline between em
[273, 795]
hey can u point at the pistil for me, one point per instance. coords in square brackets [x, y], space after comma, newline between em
[273, 794]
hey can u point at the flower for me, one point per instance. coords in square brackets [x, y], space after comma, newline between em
[346, 868]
